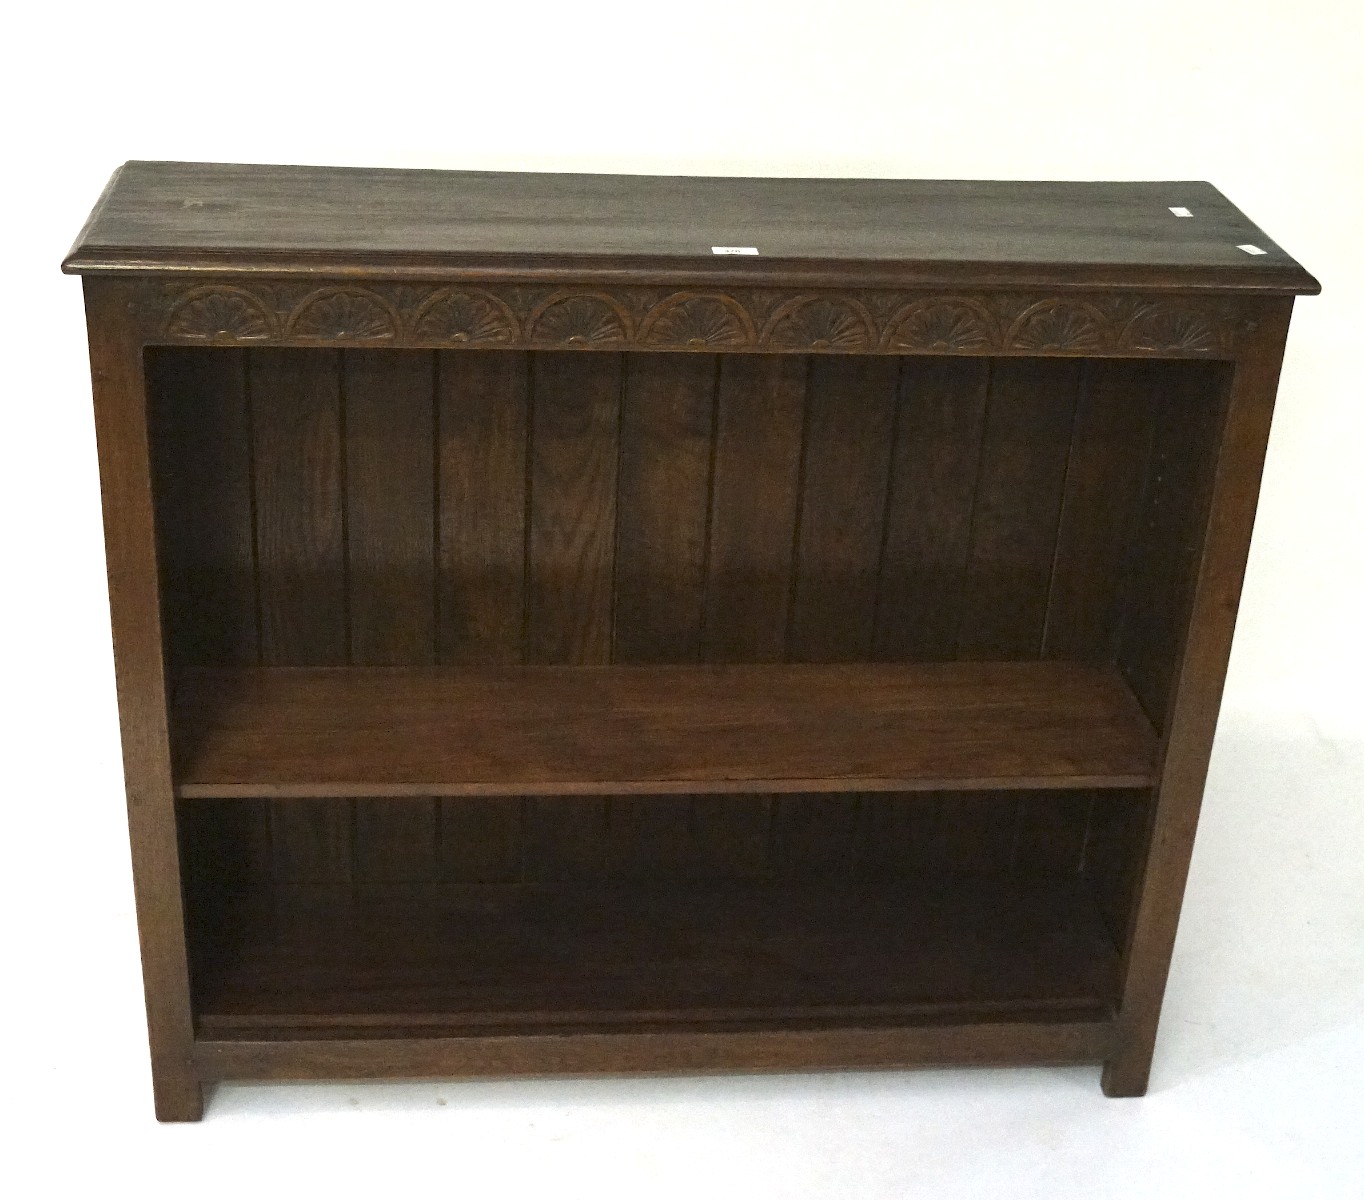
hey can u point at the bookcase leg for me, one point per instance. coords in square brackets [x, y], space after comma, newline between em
[177, 1092]
[1128, 1071]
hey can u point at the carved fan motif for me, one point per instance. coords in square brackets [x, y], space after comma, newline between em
[579, 321]
[819, 325]
[941, 325]
[863, 321]
[698, 321]
[1165, 329]
[1058, 325]
[351, 315]
[466, 317]
[220, 313]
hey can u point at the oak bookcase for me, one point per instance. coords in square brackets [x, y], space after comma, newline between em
[549, 643]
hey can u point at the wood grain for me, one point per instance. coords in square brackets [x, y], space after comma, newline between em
[556, 730]
[139, 667]
[226, 218]
[201, 443]
[574, 451]
[849, 424]
[934, 474]
[758, 437]
[663, 507]
[1026, 446]
[587, 954]
[481, 429]
[970, 1042]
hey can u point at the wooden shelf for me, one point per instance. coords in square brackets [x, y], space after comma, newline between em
[444, 960]
[291, 732]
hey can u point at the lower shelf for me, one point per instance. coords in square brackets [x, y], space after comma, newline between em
[326, 962]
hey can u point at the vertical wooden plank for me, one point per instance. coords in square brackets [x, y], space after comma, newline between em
[849, 429]
[731, 836]
[574, 451]
[760, 419]
[311, 840]
[482, 429]
[666, 441]
[892, 833]
[389, 398]
[481, 839]
[850, 417]
[1052, 833]
[1114, 856]
[201, 442]
[1164, 558]
[759, 431]
[1110, 447]
[395, 841]
[815, 836]
[928, 515]
[972, 832]
[390, 529]
[566, 839]
[649, 837]
[1246, 406]
[667, 428]
[1018, 504]
[300, 540]
[574, 427]
[139, 665]
[298, 436]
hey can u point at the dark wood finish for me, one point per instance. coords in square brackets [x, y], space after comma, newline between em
[797, 659]
[849, 424]
[1196, 694]
[577, 955]
[226, 218]
[789, 1048]
[135, 614]
[555, 730]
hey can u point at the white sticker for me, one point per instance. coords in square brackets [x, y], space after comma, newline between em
[1180, 211]
[734, 249]
[1249, 249]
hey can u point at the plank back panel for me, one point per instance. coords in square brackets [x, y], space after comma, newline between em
[298, 452]
[1025, 448]
[574, 451]
[759, 431]
[388, 416]
[201, 454]
[849, 424]
[1189, 400]
[574, 463]
[667, 437]
[404, 507]
[482, 490]
[1109, 457]
[934, 475]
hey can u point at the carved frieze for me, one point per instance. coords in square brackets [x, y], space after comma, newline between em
[883, 321]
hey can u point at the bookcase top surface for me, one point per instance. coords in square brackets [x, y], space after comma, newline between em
[224, 218]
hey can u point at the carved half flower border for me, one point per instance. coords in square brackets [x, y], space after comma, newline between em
[864, 322]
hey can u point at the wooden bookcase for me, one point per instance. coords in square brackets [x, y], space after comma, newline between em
[545, 645]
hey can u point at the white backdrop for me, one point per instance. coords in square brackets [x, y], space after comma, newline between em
[1265, 99]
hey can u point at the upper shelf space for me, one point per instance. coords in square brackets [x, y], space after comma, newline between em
[225, 218]
[656, 729]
